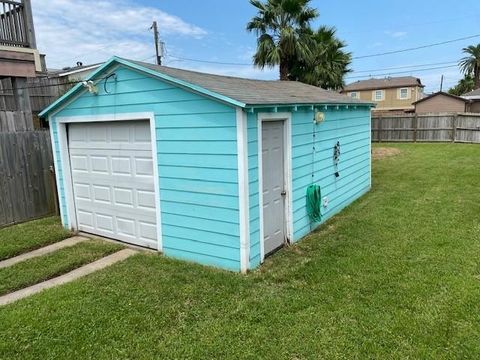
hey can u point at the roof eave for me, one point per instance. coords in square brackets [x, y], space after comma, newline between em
[315, 104]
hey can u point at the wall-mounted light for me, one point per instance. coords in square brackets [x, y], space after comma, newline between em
[319, 117]
[92, 88]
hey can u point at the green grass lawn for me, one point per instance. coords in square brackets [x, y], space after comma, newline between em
[42, 268]
[30, 236]
[395, 275]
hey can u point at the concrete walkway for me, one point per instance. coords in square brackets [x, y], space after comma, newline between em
[72, 275]
[43, 251]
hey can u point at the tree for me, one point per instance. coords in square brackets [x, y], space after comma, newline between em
[328, 63]
[470, 64]
[464, 85]
[283, 29]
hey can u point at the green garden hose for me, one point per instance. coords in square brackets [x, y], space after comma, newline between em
[314, 203]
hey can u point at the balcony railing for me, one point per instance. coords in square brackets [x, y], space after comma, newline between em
[14, 24]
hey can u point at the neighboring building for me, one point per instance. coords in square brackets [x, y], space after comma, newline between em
[474, 97]
[207, 168]
[74, 73]
[19, 61]
[392, 94]
[442, 102]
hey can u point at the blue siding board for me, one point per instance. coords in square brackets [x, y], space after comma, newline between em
[219, 161]
[201, 258]
[197, 162]
[198, 198]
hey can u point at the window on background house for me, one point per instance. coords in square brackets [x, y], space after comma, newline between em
[403, 92]
[378, 95]
[354, 95]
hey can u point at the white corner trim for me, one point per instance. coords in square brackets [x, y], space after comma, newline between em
[243, 193]
[57, 177]
[287, 133]
[260, 187]
[65, 160]
[67, 175]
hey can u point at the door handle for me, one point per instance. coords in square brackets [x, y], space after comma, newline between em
[283, 193]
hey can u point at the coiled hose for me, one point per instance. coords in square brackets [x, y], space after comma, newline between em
[314, 203]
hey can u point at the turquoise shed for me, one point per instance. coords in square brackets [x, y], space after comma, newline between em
[201, 167]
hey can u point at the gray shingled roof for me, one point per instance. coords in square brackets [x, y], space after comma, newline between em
[440, 93]
[256, 92]
[473, 93]
[385, 83]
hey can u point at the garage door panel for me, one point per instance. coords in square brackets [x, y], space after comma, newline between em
[142, 183]
[112, 175]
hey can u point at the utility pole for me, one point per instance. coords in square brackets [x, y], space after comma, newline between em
[441, 84]
[158, 51]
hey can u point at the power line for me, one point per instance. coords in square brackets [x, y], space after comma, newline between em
[209, 61]
[355, 57]
[401, 72]
[405, 67]
[416, 48]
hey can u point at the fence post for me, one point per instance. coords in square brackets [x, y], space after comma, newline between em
[379, 131]
[415, 126]
[454, 127]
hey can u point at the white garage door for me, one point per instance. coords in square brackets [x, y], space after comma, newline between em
[113, 183]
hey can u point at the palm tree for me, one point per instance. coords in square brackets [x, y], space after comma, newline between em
[470, 64]
[282, 28]
[328, 63]
[463, 86]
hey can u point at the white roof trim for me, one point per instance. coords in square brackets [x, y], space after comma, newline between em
[66, 73]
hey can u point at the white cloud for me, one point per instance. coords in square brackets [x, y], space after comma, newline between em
[83, 30]
[396, 34]
[249, 72]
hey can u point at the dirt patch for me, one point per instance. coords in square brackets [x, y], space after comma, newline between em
[384, 152]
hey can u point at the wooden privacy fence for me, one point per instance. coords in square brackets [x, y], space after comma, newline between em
[458, 127]
[42, 91]
[11, 121]
[27, 186]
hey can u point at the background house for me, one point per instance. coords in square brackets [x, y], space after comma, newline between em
[392, 94]
[19, 61]
[474, 97]
[442, 102]
[74, 73]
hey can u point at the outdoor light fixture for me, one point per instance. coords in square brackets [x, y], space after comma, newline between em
[319, 117]
[92, 88]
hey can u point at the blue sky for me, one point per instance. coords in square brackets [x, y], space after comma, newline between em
[214, 30]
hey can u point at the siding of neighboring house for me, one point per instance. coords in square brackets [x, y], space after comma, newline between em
[391, 99]
[440, 103]
[351, 127]
[475, 106]
[197, 163]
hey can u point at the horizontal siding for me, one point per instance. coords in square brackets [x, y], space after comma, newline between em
[197, 163]
[350, 127]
